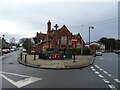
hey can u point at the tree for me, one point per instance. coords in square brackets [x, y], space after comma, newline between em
[104, 40]
[21, 41]
[12, 41]
[110, 43]
[27, 44]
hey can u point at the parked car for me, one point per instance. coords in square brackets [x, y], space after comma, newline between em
[32, 52]
[12, 49]
[98, 53]
[5, 51]
[24, 50]
[117, 51]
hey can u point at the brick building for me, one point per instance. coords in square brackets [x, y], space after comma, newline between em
[5, 44]
[56, 38]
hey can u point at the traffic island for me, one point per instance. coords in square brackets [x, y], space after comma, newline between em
[80, 62]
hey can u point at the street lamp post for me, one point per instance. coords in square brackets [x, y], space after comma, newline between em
[82, 41]
[90, 27]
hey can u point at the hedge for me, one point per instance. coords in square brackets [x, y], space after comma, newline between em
[77, 51]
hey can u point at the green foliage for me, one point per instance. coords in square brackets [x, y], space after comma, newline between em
[110, 43]
[27, 44]
[94, 47]
[49, 49]
[86, 51]
[77, 51]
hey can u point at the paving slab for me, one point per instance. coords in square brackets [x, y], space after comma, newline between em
[80, 61]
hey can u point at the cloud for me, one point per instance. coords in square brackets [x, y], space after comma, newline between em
[16, 28]
[24, 18]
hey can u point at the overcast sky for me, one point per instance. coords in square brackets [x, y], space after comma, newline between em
[23, 18]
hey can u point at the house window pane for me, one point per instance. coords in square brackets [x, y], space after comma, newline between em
[58, 41]
[64, 40]
[70, 43]
[78, 45]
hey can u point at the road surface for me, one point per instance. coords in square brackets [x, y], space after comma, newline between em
[102, 74]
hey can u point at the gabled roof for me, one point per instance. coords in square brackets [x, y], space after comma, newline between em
[54, 31]
[39, 36]
[64, 27]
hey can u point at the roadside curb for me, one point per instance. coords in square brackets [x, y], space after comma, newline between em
[38, 66]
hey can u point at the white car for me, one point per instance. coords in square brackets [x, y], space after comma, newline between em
[24, 50]
[98, 53]
[12, 50]
[117, 51]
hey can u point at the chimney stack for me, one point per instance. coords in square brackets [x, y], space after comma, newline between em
[49, 25]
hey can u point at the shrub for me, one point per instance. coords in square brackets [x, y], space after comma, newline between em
[49, 49]
[86, 51]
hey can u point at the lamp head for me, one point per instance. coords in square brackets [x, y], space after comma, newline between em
[92, 27]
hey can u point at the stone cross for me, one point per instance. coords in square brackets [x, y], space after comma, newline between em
[3, 35]
[56, 26]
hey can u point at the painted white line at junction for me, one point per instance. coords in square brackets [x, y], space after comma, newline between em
[117, 80]
[26, 81]
[101, 69]
[20, 83]
[97, 66]
[105, 72]
[15, 74]
[106, 81]
[93, 69]
[8, 79]
[112, 87]
[97, 72]
[101, 76]
[109, 75]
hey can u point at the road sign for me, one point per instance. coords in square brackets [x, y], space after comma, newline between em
[74, 42]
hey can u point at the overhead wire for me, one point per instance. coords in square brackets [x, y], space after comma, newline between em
[112, 20]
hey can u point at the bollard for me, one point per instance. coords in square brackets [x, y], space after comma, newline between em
[25, 58]
[34, 57]
[20, 56]
[74, 57]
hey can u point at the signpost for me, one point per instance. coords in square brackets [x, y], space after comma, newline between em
[74, 42]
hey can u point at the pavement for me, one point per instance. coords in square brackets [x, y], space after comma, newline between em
[80, 62]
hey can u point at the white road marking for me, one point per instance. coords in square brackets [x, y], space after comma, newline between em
[100, 76]
[106, 81]
[93, 69]
[97, 66]
[97, 72]
[8, 79]
[101, 69]
[26, 81]
[105, 72]
[112, 87]
[109, 75]
[15, 74]
[101, 58]
[20, 83]
[117, 80]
